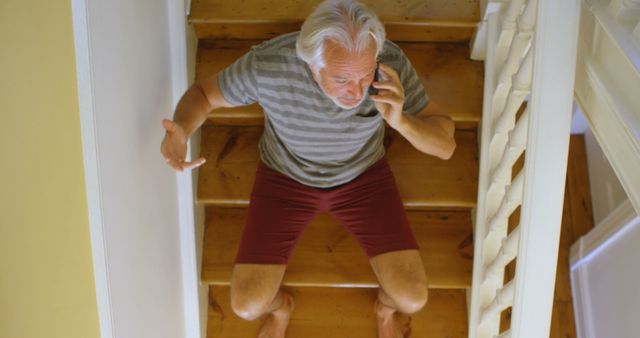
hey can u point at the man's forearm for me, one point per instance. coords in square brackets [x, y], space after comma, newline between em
[433, 135]
[192, 110]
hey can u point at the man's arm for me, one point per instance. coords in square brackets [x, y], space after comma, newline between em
[195, 105]
[190, 114]
[430, 131]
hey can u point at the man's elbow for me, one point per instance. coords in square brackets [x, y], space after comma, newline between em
[448, 149]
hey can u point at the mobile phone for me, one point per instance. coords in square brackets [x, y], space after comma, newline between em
[372, 90]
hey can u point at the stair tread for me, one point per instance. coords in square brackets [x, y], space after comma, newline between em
[345, 313]
[405, 20]
[327, 255]
[444, 68]
[424, 181]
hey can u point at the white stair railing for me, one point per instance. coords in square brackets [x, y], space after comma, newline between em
[530, 53]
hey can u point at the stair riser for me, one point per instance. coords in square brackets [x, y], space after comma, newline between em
[399, 32]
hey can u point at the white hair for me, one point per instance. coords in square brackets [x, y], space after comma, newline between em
[347, 22]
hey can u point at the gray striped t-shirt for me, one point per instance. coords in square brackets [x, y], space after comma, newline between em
[306, 136]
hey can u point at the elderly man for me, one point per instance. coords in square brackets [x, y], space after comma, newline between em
[322, 151]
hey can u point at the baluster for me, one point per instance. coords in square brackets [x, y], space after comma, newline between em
[515, 147]
[521, 88]
[508, 251]
[511, 200]
[502, 300]
[519, 44]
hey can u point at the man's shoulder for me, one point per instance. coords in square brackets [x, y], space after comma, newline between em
[391, 51]
[282, 44]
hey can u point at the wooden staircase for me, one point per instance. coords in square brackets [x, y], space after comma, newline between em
[328, 274]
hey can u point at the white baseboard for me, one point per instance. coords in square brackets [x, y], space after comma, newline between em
[606, 231]
[585, 249]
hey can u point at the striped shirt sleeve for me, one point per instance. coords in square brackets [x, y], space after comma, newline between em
[237, 82]
[415, 96]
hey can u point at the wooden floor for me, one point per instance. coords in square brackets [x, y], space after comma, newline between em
[577, 220]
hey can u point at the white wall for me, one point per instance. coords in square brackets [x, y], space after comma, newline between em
[129, 73]
[607, 192]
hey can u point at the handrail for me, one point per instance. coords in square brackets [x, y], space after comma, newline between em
[530, 52]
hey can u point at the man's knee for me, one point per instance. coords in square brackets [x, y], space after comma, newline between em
[253, 288]
[403, 279]
[247, 304]
[412, 298]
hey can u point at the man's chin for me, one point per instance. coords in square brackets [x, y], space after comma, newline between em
[346, 106]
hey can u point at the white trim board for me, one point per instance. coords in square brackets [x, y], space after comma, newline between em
[195, 322]
[91, 171]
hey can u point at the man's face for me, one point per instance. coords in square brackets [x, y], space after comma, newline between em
[346, 76]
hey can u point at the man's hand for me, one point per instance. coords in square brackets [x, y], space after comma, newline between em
[390, 98]
[174, 147]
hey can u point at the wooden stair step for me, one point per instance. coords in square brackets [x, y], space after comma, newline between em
[344, 313]
[404, 20]
[449, 77]
[424, 181]
[327, 255]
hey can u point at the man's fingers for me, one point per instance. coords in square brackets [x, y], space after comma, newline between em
[386, 99]
[390, 72]
[181, 165]
[194, 164]
[387, 85]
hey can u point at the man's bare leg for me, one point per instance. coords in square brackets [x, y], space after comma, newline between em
[255, 292]
[403, 289]
[275, 325]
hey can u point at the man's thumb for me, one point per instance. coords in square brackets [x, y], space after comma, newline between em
[168, 125]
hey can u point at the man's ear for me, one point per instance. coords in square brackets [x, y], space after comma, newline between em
[315, 76]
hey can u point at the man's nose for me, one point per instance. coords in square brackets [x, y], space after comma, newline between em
[355, 91]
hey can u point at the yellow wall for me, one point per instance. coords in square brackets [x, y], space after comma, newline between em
[46, 272]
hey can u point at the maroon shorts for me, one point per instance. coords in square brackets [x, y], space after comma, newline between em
[369, 207]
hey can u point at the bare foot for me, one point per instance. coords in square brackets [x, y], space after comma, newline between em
[389, 325]
[276, 323]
